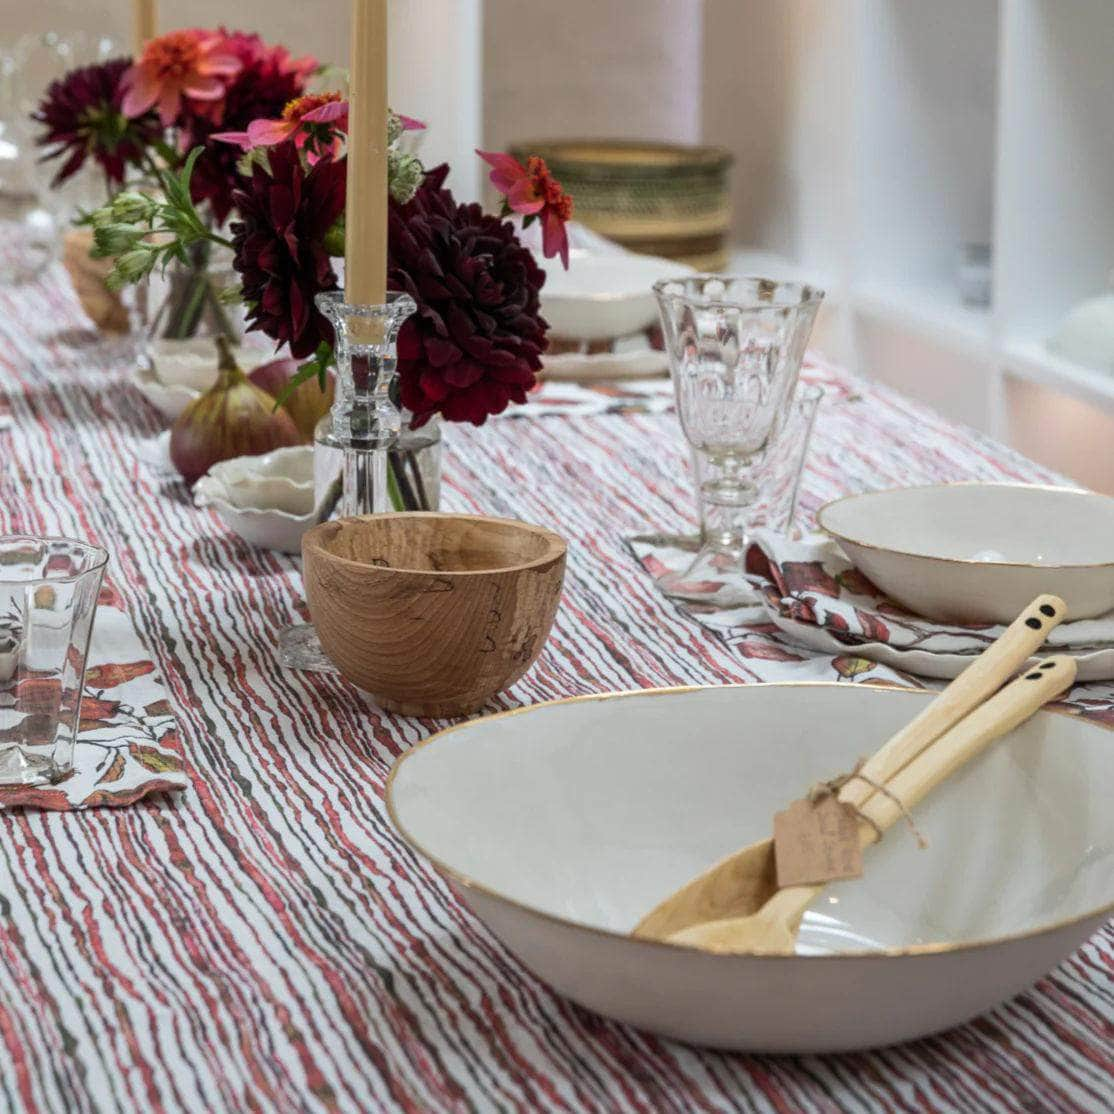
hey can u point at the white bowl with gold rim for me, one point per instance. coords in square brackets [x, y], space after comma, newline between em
[979, 552]
[562, 824]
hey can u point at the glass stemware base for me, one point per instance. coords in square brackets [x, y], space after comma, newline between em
[300, 648]
[738, 497]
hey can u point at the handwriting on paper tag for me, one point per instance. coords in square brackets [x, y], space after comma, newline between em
[816, 842]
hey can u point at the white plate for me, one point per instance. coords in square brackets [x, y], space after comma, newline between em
[1092, 665]
[562, 824]
[604, 296]
[979, 552]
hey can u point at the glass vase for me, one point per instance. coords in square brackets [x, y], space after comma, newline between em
[187, 302]
[414, 477]
[735, 346]
[415, 457]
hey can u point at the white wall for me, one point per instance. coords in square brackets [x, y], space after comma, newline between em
[592, 69]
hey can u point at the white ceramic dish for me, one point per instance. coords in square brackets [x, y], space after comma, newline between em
[602, 296]
[181, 370]
[562, 824]
[268, 500]
[979, 552]
[1095, 664]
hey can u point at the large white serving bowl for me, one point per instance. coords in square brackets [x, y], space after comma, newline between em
[602, 296]
[980, 552]
[562, 824]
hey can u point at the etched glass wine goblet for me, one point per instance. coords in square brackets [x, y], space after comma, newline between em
[735, 345]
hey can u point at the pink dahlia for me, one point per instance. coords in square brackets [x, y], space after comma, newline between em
[176, 68]
[268, 79]
[532, 191]
[317, 122]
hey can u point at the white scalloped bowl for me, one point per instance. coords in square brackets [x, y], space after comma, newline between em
[979, 552]
[268, 500]
[561, 824]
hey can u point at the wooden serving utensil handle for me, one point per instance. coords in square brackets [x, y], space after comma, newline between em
[966, 740]
[740, 883]
[988, 672]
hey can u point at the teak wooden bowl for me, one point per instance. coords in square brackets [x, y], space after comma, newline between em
[432, 614]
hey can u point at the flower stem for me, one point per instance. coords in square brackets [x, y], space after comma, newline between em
[392, 487]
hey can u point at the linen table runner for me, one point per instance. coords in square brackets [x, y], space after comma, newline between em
[265, 942]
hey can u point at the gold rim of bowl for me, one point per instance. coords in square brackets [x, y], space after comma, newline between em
[911, 950]
[959, 560]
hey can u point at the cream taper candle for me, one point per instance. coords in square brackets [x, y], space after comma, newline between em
[365, 239]
[145, 19]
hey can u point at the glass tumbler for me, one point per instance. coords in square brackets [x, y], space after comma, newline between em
[735, 345]
[48, 601]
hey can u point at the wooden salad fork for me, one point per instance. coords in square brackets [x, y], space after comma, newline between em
[745, 880]
[773, 927]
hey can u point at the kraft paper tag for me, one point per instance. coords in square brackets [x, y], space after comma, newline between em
[816, 842]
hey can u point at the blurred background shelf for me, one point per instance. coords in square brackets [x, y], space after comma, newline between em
[1033, 362]
[935, 310]
[883, 135]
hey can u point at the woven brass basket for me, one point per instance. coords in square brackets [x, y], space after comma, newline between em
[657, 198]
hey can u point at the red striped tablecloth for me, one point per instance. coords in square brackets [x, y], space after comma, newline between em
[264, 941]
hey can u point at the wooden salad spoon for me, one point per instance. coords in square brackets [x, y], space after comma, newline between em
[743, 881]
[773, 928]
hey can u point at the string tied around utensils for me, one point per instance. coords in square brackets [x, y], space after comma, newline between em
[832, 786]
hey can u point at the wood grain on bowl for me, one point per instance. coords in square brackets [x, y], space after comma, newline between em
[432, 614]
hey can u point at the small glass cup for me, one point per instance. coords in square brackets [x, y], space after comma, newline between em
[735, 345]
[48, 602]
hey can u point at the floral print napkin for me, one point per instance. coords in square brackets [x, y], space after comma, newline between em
[127, 746]
[810, 581]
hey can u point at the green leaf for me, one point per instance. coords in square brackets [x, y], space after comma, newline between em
[166, 152]
[187, 170]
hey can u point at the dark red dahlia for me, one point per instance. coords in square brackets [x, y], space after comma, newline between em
[267, 80]
[475, 343]
[82, 118]
[280, 246]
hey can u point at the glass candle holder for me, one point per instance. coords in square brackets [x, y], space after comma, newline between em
[48, 601]
[735, 345]
[364, 422]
